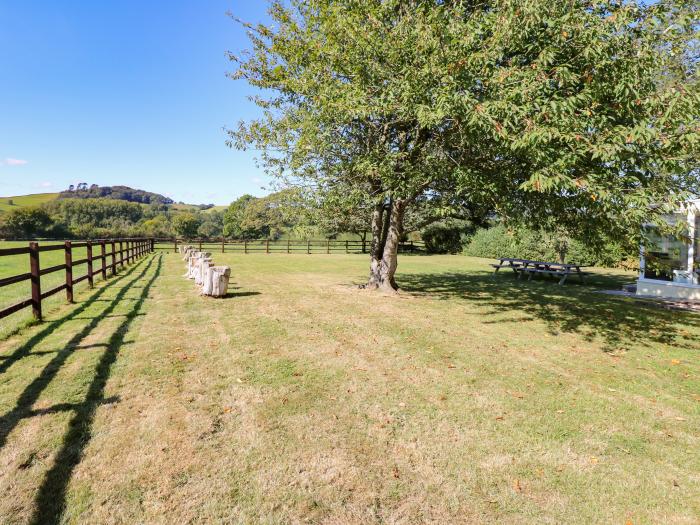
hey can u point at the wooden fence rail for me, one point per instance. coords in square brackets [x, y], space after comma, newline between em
[129, 251]
[280, 246]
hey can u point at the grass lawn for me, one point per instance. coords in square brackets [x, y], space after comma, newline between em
[299, 398]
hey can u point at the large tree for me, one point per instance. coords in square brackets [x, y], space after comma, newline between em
[582, 114]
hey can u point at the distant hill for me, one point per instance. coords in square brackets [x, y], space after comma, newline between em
[20, 201]
[123, 193]
[105, 192]
[197, 207]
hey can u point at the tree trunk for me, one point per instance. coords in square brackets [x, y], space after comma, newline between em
[387, 227]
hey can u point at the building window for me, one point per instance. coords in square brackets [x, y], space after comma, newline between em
[666, 257]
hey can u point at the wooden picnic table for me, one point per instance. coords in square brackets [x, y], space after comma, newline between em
[532, 267]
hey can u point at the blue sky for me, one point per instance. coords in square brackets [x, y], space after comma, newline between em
[132, 92]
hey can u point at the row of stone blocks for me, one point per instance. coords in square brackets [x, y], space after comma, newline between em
[212, 280]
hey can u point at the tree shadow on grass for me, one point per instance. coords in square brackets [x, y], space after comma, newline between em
[571, 308]
[50, 499]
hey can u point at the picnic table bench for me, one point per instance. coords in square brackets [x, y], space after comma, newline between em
[530, 267]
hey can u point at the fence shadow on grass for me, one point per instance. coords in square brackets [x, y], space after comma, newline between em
[571, 308]
[51, 497]
[51, 326]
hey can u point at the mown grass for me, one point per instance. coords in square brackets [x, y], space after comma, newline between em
[299, 398]
[20, 201]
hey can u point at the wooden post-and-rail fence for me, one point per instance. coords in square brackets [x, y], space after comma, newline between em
[290, 246]
[121, 252]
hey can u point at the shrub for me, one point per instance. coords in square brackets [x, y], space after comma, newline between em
[446, 236]
[25, 223]
[500, 241]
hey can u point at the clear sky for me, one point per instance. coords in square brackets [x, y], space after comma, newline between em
[128, 92]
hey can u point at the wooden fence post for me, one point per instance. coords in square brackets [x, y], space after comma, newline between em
[288, 245]
[223, 245]
[69, 271]
[35, 272]
[308, 247]
[175, 249]
[103, 249]
[89, 264]
[245, 246]
[267, 246]
[114, 258]
[363, 246]
[121, 253]
[153, 245]
[346, 246]
[328, 246]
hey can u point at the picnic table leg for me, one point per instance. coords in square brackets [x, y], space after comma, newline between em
[563, 279]
[580, 274]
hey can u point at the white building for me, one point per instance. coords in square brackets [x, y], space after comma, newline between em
[670, 266]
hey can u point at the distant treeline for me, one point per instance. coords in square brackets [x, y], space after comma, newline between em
[80, 214]
[286, 215]
[105, 217]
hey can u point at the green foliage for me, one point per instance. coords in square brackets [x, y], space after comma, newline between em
[446, 236]
[234, 216]
[212, 225]
[525, 243]
[157, 226]
[266, 217]
[92, 218]
[186, 225]
[25, 223]
[581, 116]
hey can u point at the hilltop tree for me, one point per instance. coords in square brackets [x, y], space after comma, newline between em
[580, 114]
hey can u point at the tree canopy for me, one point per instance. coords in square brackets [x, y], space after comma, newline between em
[581, 115]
